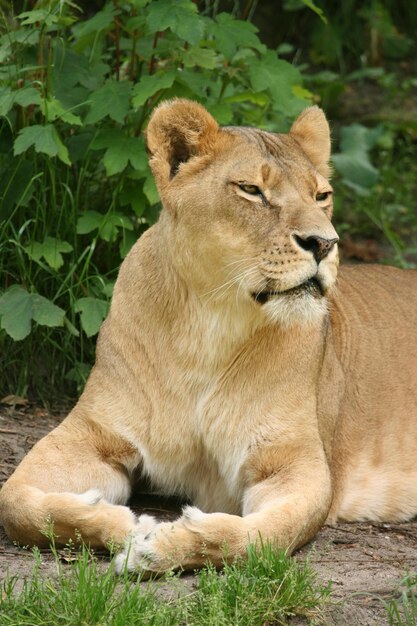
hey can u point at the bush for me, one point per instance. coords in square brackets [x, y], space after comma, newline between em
[76, 188]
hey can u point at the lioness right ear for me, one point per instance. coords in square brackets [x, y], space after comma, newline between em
[178, 130]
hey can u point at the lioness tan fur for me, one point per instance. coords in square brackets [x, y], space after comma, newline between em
[233, 369]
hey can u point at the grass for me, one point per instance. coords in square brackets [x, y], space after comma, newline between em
[402, 611]
[266, 588]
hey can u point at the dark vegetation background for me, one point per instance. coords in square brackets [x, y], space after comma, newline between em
[77, 84]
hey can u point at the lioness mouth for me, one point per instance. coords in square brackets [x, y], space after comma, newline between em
[311, 286]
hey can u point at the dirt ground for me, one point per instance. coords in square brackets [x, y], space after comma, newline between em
[365, 562]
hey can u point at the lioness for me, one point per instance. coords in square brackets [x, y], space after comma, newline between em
[231, 368]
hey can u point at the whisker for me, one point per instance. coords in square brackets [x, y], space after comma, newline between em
[249, 273]
[246, 260]
[224, 287]
[231, 280]
[259, 291]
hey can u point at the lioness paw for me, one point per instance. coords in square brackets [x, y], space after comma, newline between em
[193, 514]
[137, 553]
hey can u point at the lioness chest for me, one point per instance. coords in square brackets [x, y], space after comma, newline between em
[204, 425]
[198, 446]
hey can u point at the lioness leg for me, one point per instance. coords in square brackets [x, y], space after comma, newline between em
[76, 478]
[288, 507]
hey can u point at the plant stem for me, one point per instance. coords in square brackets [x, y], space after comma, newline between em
[152, 62]
[117, 40]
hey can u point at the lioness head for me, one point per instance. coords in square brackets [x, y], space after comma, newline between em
[248, 212]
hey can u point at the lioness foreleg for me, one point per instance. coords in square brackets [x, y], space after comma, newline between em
[75, 482]
[288, 507]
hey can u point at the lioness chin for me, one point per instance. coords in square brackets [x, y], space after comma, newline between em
[232, 369]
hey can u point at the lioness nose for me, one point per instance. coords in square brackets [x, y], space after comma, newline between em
[319, 246]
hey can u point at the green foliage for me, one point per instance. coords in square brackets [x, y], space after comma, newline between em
[45, 139]
[403, 611]
[18, 309]
[50, 249]
[376, 189]
[76, 190]
[353, 161]
[353, 30]
[93, 311]
[268, 587]
[76, 92]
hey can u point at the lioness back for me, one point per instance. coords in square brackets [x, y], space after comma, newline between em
[374, 320]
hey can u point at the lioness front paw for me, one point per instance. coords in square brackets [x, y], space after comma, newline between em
[137, 553]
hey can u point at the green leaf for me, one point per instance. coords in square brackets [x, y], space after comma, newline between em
[93, 311]
[132, 195]
[27, 96]
[222, 112]
[353, 162]
[201, 57]
[120, 150]
[196, 81]
[264, 72]
[180, 16]
[16, 312]
[89, 221]
[231, 34]
[71, 328]
[358, 137]
[260, 99]
[317, 10]
[37, 15]
[50, 249]
[53, 109]
[150, 85]
[5, 49]
[102, 20]
[108, 287]
[72, 68]
[150, 190]
[278, 77]
[109, 228]
[302, 93]
[24, 97]
[46, 313]
[78, 145]
[123, 151]
[79, 374]
[107, 225]
[106, 137]
[18, 308]
[44, 138]
[6, 100]
[110, 100]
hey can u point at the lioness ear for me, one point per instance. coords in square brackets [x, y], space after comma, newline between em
[178, 130]
[311, 131]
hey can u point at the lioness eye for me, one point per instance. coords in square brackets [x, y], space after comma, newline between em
[320, 197]
[253, 190]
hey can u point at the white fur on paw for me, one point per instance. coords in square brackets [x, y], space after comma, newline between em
[92, 496]
[145, 524]
[137, 554]
[193, 514]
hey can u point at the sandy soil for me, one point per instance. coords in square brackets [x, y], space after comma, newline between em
[365, 562]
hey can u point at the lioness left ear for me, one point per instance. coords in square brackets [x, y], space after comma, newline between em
[178, 130]
[311, 131]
